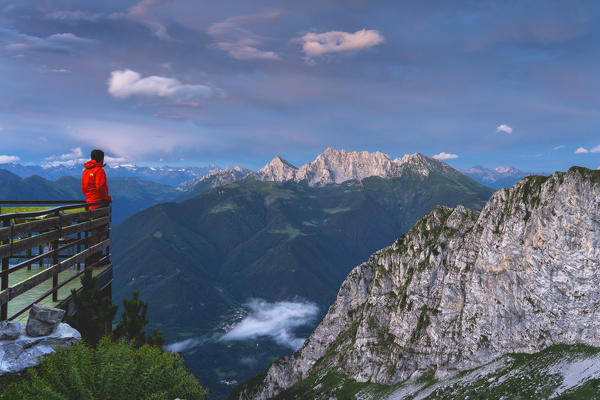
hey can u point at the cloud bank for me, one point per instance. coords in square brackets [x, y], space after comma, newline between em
[126, 83]
[504, 128]
[316, 44]
[445, 156]
[4, 159]
[276, 320]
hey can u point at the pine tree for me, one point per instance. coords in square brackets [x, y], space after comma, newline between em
[92, 310]
[133, 321]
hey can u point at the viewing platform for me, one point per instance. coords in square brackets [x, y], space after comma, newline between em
[45, 247]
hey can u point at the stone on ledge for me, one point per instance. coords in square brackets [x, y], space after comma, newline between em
[43, 320]
[9, 330]
[23, 352]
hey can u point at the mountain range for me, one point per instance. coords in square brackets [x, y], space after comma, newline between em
[331, 167]
[466, 291]
[165, 175]
[197, 261]
[130, 195]
[499, 177]
[328, 167]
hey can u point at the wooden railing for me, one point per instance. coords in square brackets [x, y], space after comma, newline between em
[51, 239]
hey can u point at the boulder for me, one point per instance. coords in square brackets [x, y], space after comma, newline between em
[9, 330]
[43, 320]
[23, 352]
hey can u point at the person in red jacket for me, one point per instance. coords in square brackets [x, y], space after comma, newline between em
[95, 189]
[93, 181]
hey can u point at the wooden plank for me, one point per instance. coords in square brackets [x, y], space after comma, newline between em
[5, 233]
[85, 226]
[8, 250]
[35, 226]
[22, 245]
[40, 257]
[48, 272]
[49, 223]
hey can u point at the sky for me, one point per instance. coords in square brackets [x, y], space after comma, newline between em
[177, 82]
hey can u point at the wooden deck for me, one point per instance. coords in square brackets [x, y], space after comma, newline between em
[44, 247]
[28, 297]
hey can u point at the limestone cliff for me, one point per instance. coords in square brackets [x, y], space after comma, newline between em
[462, 288]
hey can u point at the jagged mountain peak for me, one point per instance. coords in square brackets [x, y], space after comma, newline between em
[462, 288]
[278, 170]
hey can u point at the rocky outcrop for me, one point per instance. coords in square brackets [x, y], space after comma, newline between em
[24, 351]
[462, 288]
[43, 320]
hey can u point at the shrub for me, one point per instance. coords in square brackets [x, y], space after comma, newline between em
[133, 321]
[93, 310]
[111, 371]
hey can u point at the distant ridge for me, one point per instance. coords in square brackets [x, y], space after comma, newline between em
[499, 177]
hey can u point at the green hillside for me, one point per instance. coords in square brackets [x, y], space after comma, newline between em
[196, 261]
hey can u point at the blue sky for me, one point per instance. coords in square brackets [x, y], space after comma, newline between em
[238, 82]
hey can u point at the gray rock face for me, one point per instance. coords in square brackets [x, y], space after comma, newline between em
[9, 330]
[462, 288]
[43, 320]
[23, 352]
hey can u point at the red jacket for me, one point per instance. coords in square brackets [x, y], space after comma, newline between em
[93, 183]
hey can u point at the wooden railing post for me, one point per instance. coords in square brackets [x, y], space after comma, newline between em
[54, 262]
[79, 250]
[4, 283]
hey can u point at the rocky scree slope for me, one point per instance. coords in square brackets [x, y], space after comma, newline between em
[462, 288]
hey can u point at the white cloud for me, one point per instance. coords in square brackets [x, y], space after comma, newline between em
[141, 13]
[504, 128]
[73, 16]
[562, 146]
[445, 156]
[123, 84]
[69, 38]
[74, 154]
[75, 157]
[65, 163]
[115, 160]
[239, 42]
[583, 150]
[316, 44]
[184, 345]
[133, 141]
[276, 320]
[57, 43]
[4, 159]
[245, 49]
